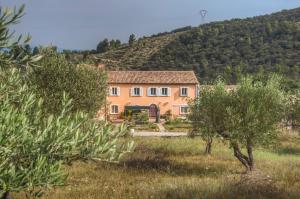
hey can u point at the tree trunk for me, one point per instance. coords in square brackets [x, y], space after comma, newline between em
[250, 155]
[5, 195]
[208, 146]
[247, 161]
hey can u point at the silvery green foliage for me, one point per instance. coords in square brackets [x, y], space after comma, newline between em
[8, 41]
[292, 109]
[246, 117]
[33, 146]
[208, 112]
[256, 110]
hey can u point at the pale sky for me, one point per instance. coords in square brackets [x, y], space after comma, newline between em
[81, 24]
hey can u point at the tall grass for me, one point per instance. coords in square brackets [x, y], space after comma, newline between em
[177, 168]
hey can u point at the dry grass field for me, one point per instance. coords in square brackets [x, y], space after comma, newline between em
[177, 168]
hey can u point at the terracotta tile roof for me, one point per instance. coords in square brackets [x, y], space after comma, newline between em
[152, 77]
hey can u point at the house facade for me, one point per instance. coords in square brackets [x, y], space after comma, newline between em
[160, 92]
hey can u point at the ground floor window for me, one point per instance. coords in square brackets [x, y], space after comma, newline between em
[114, 109]
[184, 110]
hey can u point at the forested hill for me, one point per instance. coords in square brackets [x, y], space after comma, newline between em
[265, 43]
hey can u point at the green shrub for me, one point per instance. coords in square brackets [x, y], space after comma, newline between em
[86, 85]
[143, 117]
[292, 109]
[33, 146]
[167, 116]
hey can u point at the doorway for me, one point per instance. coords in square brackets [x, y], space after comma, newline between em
[152, 110]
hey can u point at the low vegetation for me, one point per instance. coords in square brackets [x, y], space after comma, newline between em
[177, 168]
[145, 127]
[178, 125]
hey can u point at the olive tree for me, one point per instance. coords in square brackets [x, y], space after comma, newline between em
[9, 42]
[85, 84]
[33, 143]
[253, 117]
[246, 117]
[33, 146]
[292, 109]
[208, 113]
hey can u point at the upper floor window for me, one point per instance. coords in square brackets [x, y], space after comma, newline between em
[114, 91]
[114, 109]
[165, 91]
[152, 91]
[136, 91]
[183, 91]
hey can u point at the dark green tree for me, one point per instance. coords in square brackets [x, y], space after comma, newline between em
[131, 39]
[103, 46]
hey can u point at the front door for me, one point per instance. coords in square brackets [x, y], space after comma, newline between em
[152, 110]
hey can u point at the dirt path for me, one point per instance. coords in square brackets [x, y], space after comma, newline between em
[158, 134]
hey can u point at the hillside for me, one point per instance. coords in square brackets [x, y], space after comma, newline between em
[269, 43]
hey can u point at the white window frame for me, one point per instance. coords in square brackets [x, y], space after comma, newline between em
[112, 110]
[183, 113]
[168, 91]
[187, 91]
[111, 91]
[150, 89]
[132, 91]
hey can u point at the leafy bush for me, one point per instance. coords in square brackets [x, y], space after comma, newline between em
[86, 85]
[292, 109]
[142, 117]
[167, 116]
[176, 121]
[33, 147]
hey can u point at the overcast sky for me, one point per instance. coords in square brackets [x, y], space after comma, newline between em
[81, 24]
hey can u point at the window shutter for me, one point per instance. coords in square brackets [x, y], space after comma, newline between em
[148, 91]
[109, 92]
[118, 91]
[141, 91]
[169, 91]
[158, 91]
[131, 92]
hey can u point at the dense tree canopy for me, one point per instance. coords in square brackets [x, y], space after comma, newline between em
[106, 45]
[269, 43]
[85, 84]
[246, 117]
[131, 39]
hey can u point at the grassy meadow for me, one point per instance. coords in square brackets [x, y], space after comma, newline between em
[177, 168]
